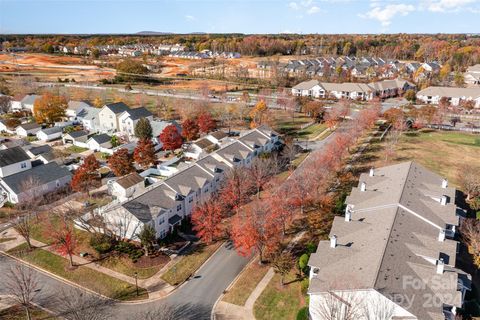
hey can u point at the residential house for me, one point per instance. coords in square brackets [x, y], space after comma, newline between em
[472, 76]
[157, 128]
[431, 66]
[77, 138]
[397, 232]
[235, 154]
[35, 151]
[127, 186]
[35, 182]
[108, 116]
[89, 118]
[199, 148]
[49, 134]
[13, 160]
[99, 142]
[74, 108]
[28, 101]
[5, 128]
[129, 119]
[391, 88]
[217, 137]
[455, 96]
[311, 88]
[27, 129]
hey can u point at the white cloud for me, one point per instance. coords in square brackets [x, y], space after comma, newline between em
[306, 6]
[189, 17]
[313, 10]
[446, 5]
[294, 5]
[385, 14]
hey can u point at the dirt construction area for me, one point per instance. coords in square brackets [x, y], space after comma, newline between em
[51, 67]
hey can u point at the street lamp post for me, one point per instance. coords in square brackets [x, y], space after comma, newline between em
[136, 282]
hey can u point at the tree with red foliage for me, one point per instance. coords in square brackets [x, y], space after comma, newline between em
[171, 138]
[236, 188]
[144, 153]
[278, 202]
[64, 240]
[207, 220]
[260, 172]
[190, 129]
[253, 230]
[206, 123]
[121, 162]
[86, 176]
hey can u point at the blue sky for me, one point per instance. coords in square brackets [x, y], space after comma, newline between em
[243, 16]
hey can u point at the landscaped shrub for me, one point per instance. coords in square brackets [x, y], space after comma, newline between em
[133, 252]
[302, 314]
[101, 243]
[304, 285]
[303, 263]
[311, 248]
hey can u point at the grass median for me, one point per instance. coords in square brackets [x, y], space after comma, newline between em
[84, 276]
[189, 263]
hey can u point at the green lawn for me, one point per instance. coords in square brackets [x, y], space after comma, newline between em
[124, 265]
[279, 302]
[312, 131]
[189, 263]
[98, 282]
[76, 149]
[246, 283]
[18, 313]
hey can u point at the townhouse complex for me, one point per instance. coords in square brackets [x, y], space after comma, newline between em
[352, 90]
[167, 202]
[393, 254]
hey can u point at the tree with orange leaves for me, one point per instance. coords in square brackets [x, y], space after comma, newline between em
[49, 108]
[144, 153]
[253, 231]
[206, 123]
[121, 162]
[86, 176]
[236, 188]
[190, 129]
[207, 220]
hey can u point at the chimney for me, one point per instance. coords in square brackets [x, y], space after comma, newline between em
[441, 235]
[348, 212]
[333, 241]
[443, 201]
[444, 183]
[363, 186]
[440, 266]
[371, 174]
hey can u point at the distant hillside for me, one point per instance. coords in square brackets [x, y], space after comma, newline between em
[151, 33]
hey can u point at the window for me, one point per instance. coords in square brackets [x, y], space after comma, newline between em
[206, 190]
[57, 183]
[190, 200]
[23, 165]
[161, 220]
[179, 207]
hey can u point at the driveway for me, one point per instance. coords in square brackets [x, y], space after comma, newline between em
[193, 300]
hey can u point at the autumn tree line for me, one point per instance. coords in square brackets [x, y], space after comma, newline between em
[255, 206]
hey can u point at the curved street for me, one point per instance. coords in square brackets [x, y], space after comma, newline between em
[193, 300]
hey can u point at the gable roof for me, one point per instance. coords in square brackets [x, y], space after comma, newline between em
[138, 113]
[234, 151]
[51, 130]
[77, 134]
[12, 155]
[203, 143]
[159, 126]
[30, 99]
[40, 175]
[219, 134]
[40, 149]
[117, 107]
[306, 85]
[29, 126]
[88, 113]
[450, 92]
[101, 138]
[77, 105]
[129, 180]
[393, 234]
[188, 180]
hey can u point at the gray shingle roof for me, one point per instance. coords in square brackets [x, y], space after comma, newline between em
[234, 151]
[188, 180]
[129, 180]
[389, 238]
[12, 155]
[101, 138]
[40, 149]
[78, 134]
[29, 126]
[138, 113]
[30, 99]
[42, 174]
[51, 130]
[117, 107]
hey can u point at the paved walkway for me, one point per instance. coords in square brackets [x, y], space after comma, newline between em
[156, 287]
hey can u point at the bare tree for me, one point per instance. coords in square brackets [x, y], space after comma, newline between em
[23, 285]
[377, 308]
[5, 104]
[469, 180]
[77, 305]
[162, 312]
[23, 225]
[470, 230]
[338, 305]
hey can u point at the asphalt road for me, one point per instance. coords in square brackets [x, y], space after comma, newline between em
[193, 300]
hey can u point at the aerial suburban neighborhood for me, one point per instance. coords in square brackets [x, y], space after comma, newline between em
[268, 160]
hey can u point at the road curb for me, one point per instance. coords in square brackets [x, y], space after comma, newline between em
[212, 316]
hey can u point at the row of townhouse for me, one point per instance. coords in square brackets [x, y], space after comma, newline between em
[352, 90]
[205, 54]
[393, 254]
[362, 67]
[456, 96]
[132, 50]
[166, 204]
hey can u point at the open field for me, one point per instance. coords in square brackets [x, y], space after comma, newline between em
[441, 151]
